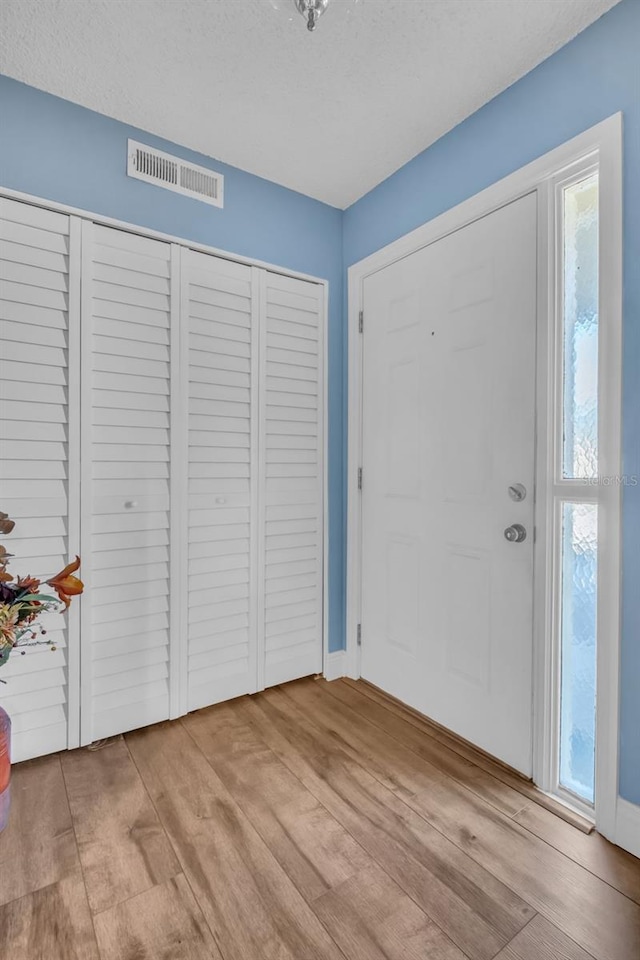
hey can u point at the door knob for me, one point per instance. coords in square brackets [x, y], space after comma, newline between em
[516, 533]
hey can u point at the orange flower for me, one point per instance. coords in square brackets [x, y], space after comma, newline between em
[66, 585]
[4, 576]
[30, 584]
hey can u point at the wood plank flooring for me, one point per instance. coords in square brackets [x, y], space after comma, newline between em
[312, 821]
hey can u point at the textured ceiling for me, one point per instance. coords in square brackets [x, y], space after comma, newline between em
[330, 114]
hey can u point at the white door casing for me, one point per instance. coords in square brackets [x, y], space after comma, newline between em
[448, 425]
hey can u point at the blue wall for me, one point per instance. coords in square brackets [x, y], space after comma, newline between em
[54, 149]
[57, 150]
[594, 76]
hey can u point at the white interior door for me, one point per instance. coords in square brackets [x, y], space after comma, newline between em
[448, 428]
[39, 471]
[126, 481]
[292, 466]
[219, 309]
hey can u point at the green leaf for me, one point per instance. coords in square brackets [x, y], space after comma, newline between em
[31, 597]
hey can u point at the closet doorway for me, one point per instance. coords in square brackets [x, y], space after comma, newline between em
[162, 416]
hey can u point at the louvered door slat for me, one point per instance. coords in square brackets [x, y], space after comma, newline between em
[218, 300]
[127, 468]
[291, 464]
[37, 444]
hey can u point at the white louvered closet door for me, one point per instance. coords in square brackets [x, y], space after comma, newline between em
[39, 377]
[161, 415]
[127, 308]
[218, 321]
[291, 444]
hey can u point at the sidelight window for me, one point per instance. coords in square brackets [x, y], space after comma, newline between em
[577, 484]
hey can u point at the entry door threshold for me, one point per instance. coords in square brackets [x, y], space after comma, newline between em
[501, 771]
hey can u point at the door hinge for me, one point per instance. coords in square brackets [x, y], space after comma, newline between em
[359, 478]
[361, 321]
[359, 634]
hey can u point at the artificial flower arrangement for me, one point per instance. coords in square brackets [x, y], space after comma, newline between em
[22, 603]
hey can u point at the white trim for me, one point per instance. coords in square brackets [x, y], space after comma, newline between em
[324, 429]
[139, 231]
[627, 833]
[544, 719]
[605, 141]
[335, 665]
[610, 464]
[354, 453]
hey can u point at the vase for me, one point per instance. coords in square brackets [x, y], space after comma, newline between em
[5, 768]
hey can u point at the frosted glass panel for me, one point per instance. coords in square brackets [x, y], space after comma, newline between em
[578, 668]
[580, 212]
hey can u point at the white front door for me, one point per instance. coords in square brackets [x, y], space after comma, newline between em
[448, 429]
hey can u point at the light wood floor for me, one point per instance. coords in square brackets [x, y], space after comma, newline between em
[309, 822]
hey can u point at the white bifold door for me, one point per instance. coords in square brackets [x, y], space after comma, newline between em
[448, 471]
[291, 527]
[127, 400]
[220, 446]
[253, 444]
[39, 456]
[161, 415]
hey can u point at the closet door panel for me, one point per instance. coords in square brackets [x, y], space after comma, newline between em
[127, 480]
[292, 464]
[218, 309]
[38, 457]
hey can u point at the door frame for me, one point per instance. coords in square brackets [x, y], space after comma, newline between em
[77, 216]
[602, 144]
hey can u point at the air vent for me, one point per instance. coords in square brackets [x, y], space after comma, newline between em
[172, 173]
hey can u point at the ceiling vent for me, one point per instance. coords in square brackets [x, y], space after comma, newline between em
[172, 173]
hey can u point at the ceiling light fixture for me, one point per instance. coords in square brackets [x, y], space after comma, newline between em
[312, 10]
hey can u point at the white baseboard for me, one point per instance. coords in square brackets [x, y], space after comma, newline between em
[628, 826]
[335, 665]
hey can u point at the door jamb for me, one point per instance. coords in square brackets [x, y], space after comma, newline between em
[604, 142]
